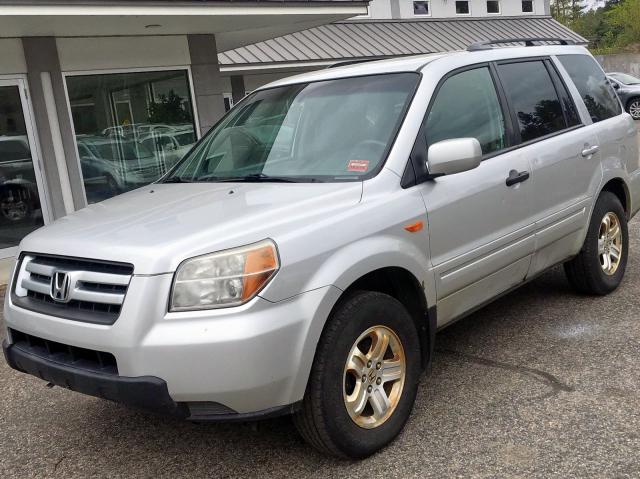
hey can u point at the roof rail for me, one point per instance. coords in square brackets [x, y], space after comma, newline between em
[528, 42]
[353, 62]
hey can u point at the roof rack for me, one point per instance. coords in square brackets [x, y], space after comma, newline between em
[528, 42]
[353, 62]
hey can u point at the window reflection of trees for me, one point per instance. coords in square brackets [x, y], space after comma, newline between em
[545, 119]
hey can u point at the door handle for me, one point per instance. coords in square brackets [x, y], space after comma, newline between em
[517, 177]
[592, 150]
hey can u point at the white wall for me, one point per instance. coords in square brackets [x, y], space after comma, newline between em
[379, 9]
[104, 53]
[12, 56]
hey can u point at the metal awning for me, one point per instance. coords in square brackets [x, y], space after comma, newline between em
[361, 39]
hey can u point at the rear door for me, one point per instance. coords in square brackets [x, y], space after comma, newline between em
[563, 154]
[480, 227]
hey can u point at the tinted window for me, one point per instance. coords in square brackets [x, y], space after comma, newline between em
[570, 111]
[533, 98]
[466, 106]
[597, 93]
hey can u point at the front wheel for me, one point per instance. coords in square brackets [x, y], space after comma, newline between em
[364, 379]
[599, 267]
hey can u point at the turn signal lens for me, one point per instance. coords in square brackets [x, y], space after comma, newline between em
[227, 278]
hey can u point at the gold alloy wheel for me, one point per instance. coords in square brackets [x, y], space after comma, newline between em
[610, 243]
[374, 377]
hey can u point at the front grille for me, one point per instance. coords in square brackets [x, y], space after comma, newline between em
[95, 291]
[88, 359]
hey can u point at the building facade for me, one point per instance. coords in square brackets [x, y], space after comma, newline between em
[389, 28]
[100, 97]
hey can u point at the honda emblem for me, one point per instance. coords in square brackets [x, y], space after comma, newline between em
[60, 286]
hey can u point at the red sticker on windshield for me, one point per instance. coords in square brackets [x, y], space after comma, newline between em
[358, 165]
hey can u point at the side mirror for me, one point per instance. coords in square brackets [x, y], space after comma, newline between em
[449, 157]
[615, 86]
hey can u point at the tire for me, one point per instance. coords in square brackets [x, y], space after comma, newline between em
[633, 107]
[588, 272]
[324, 420]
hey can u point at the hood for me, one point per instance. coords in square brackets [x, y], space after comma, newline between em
[158, 226]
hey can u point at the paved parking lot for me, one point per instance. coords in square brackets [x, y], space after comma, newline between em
[542, 383]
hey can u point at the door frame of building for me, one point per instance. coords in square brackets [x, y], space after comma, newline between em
[20, 81]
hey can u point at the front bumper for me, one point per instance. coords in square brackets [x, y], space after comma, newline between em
[252, 359]
[148, 392]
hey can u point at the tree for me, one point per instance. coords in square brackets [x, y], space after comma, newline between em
[612, 27]
[168, 110]
[625, 16]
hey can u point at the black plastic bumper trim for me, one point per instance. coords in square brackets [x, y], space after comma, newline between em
[146, 392]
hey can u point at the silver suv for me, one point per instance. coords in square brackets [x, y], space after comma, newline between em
[303, 254]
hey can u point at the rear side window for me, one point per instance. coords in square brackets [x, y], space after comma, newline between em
[598, 95]
[533, 97]
[467, 106]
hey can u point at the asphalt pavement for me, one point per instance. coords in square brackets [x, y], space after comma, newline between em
[541, 383]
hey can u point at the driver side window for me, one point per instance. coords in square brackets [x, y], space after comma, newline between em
[467, 106]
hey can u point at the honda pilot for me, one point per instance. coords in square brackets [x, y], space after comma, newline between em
[303, 254]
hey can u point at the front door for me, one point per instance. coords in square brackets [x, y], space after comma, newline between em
[21, 207]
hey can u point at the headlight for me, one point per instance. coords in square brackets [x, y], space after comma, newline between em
[227, 278]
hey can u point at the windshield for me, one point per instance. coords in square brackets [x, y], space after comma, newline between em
[626, 79]
[322, 131]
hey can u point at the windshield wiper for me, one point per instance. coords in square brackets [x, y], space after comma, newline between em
[252, 178]
[176, 179]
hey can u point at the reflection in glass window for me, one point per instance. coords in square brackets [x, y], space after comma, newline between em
[596, 91]
[466, 106]
[131, 128]
[533, 97]
[20, 211]
[333, 130]
[527, 6]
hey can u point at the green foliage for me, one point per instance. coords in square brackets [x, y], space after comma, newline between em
[611, 28]
[625, 17]
[168, 110]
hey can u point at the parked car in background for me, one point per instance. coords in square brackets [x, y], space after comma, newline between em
[19, 200]
[169, 147]
[301, 257]
[628, 89]
[113, 165]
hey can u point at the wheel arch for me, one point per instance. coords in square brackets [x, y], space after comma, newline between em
[404, 286]
[618, 187]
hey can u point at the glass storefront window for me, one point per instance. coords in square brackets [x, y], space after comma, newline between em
[130, 128]
[20, 211]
